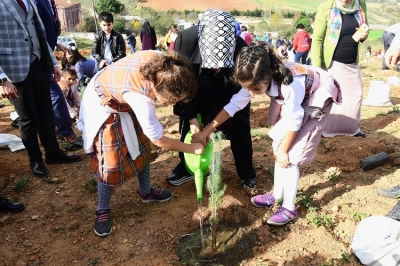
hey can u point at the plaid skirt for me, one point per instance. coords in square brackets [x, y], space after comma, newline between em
[111, 162]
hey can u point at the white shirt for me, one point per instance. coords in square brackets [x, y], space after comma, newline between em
[145, 111]
[292, 112]
[107, 52]
[238, 102]
[396, 41]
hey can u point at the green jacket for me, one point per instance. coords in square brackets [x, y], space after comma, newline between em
[321, 48]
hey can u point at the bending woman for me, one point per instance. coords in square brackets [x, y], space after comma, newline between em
[118, 120]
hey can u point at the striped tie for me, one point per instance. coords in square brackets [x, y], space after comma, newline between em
[53, 6]
[22, 5]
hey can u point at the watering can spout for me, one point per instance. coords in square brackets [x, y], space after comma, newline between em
[198, 180]
[198, 164]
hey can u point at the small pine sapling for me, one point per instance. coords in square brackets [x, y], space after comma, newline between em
[214, 184]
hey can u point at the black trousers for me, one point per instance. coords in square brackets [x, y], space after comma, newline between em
[36, 113]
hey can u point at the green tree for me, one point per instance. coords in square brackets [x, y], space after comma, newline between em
[113, 6]
[306, 21]
[119, 26]
[87, 24]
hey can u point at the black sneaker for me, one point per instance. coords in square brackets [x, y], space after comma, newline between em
[249, 182]
[177, 179]
[102, 224]
[157, 194]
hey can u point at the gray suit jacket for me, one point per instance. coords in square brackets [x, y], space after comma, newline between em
[15, 46]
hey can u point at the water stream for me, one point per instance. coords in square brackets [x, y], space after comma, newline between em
[203, 241]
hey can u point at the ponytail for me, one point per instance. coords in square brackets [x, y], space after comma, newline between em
[258, 64]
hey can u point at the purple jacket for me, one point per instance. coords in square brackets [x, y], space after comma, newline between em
[148, 41]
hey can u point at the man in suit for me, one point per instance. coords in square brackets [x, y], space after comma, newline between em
[24, 68]
[62, 120]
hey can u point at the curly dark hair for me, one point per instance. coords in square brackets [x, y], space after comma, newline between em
[172, 77]
[259, 64]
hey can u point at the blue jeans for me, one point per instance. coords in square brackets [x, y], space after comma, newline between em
[62, 119]
[132, 48]
[302, 55]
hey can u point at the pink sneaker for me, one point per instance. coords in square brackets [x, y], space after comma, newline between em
[265, 200]
[282, 216]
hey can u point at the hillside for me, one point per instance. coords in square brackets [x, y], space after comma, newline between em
[241, 5]
[375, 10]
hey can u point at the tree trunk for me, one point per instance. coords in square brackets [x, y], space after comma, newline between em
[214, 228]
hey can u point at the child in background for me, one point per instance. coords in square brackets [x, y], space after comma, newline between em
[174, 33]
[85, 68]
[305, 96]
[69, 87]
[108, 45]
[282, 51]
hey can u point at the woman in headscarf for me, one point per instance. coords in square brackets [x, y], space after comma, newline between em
[334, 48]
[212, 47]
[148, 37]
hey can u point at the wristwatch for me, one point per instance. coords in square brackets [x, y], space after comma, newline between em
[2, 81]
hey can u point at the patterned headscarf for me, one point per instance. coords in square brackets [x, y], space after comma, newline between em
[335, 25]
[217, 39]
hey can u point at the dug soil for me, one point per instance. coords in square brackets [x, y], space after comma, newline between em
[56, 228]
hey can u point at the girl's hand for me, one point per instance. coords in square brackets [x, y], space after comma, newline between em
[198, 148]
[194, 125]
[200, 137]
[282, 157]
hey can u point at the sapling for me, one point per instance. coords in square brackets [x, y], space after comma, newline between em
[214, 184]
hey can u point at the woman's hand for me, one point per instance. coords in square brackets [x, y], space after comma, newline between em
[200, 137]
[198, 148]
[282, 157]
[363, 36]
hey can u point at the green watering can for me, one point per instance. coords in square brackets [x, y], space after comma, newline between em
[197, 165]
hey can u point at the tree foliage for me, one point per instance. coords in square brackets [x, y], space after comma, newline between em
[119, 26]
[87, 24]
[306, 21]
[113, 6]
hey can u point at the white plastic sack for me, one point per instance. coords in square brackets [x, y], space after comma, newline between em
[376, 241]
[393, 80]
[378, 94]
[12, 142]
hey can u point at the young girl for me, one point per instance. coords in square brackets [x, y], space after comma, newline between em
[118, 120]
[305, 96]
[69, 86]
[173, 35]
[85, 68]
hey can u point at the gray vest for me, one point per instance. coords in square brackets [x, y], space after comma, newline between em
[29, 24]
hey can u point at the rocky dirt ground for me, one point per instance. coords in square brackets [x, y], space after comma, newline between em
[334, 195]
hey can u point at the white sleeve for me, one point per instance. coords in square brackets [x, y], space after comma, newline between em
[238, 102]
[145, 111]
[396, 41]
[292, 111]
